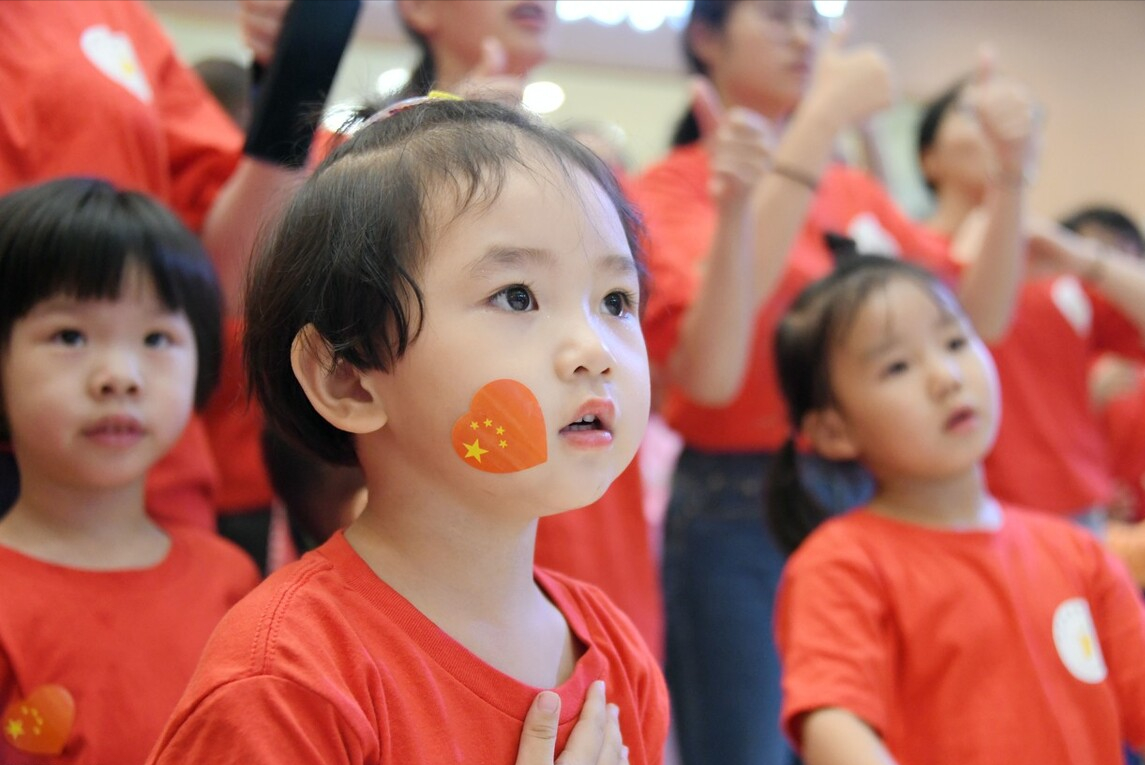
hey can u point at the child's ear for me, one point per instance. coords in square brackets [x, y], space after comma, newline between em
[345, 396]
[829, 435]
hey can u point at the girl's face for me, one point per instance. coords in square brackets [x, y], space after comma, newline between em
[96, 391]
[960, 157]
[456, 28]
[763, 57]
[915, 389]
[538, 287]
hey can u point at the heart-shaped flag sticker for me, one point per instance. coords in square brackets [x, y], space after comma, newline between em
[503, 431]
[41, 722]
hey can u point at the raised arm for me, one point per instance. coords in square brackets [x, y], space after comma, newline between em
[711, 358]
[305, 58]
[848, 86]
[989, 287]
[1117, 276]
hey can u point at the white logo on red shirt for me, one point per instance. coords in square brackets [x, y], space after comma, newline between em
[1076, 641]
[113, 54]
[870, 236]
[1073, 304]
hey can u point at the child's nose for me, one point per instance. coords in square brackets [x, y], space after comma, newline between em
[118, 374]
[946, 377]
[584, 350]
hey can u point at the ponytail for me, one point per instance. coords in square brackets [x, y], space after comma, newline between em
[790, 511]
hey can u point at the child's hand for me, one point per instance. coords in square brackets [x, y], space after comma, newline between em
[849, 85]
[740, 143]
[595, 740]
[488, 80]
[1008, 118]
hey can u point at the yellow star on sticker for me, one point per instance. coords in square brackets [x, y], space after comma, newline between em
[503, 444]
[473, 425]
[500, 431]
[488, 423]
[15, 728]
[474, 450]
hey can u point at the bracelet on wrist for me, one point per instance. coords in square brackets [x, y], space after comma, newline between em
[795, 174]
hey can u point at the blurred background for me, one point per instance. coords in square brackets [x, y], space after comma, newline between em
[620, 60]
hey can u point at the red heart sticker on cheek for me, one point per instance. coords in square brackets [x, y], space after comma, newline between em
[41, 722]
[503, 431]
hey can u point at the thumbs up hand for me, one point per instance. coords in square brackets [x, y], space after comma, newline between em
[740, 144]
[1008, 117]
[849, 85]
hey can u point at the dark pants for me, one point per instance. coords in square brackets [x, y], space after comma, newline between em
[721, 569]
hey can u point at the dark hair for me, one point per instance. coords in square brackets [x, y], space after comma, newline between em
[347, 250]
[311, 490]
[812, 327]
[933, 113]
[78, 237]
[1109, 218]
[713, 14]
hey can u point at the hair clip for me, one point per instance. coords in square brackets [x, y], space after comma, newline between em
[409, 103]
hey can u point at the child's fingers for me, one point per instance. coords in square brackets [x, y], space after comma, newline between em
[613, 751]
[587, 737]
[706, 106]
[539, 736]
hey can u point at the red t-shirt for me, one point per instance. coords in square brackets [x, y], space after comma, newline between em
[1051, 453]
[123, 644]
[1123, 423]
[681, 218]
[1021, 645]
[234, 423]
[93, 87]
[324, 662]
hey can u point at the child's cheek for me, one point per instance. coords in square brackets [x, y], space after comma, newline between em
[503, 431]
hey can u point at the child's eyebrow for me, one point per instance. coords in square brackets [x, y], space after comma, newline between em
[507, 258]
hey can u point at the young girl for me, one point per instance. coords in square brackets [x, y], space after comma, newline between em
[109, 337]
[483, 49]
[451, 302]
[934, 624]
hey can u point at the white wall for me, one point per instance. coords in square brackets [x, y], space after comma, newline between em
[1084, 59]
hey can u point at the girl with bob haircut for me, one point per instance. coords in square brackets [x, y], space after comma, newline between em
[109, 338]
[450, 301]
[934, 624]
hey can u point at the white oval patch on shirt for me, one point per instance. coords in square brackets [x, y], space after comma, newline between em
[1073, 304]
[1076, 641]
[870, 236]
[113, 54]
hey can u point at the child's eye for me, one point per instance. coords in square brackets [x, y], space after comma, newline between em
[68, 337]
[157, 340]
[894, 368]
[619, 303]
[515, 298]
[956, 343]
